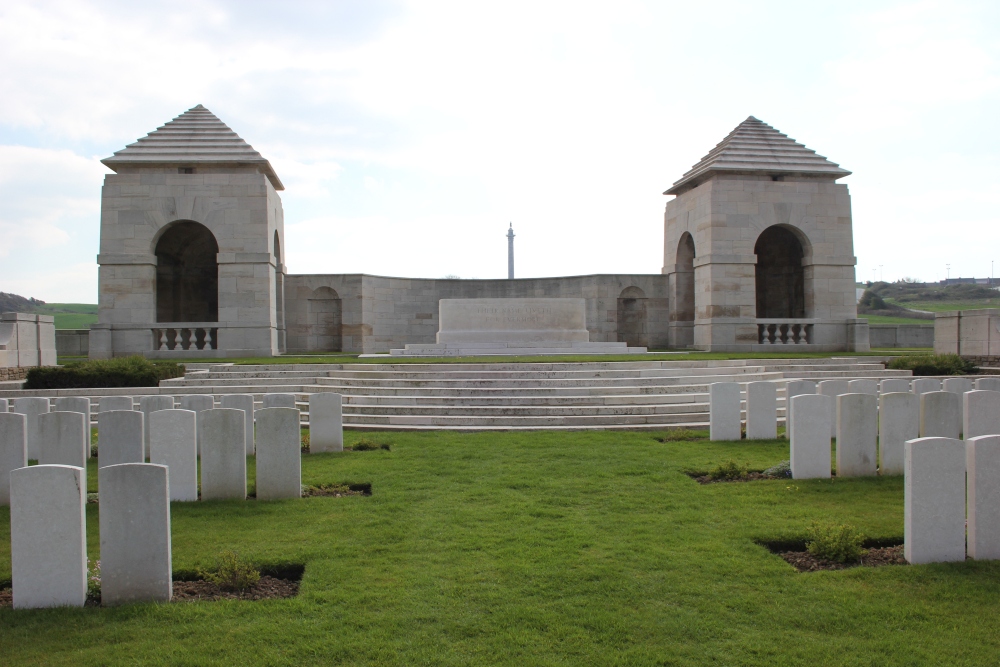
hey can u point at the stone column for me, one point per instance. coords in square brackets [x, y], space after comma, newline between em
[279, 454]
[173, 442]
[934, 501]
[13, 449]
[982, 462]
[243, 402]
[724, 410]
[326, 423]
[223, 454]
[48, 536]
[31, 407]
[940, 415]
[119, 437]
[981, 413]
[857, 435]
[149, 405]
[762, 411]
[135, 534]
[810, 436]
[899, 421]
[65, 439]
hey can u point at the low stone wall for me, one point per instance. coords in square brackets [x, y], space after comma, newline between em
[13, 373]
[970, 333]
[901, 335]
[72, 342]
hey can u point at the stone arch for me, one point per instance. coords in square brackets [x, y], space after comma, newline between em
[779, 274]
[187, 273]
[325, 320]
[632, 324]
[684, 291]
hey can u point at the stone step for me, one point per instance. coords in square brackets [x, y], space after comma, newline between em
[490, 411]
[448, 422]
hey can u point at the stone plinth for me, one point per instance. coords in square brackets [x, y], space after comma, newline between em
[899, 421]
[242, 402]
[135, 534]
[812, 415]
[13, 449]
[326, 423]
[65, 439]
[48, 536]
[934, 501]
[982, 463]
[223, 454]
[762, 411]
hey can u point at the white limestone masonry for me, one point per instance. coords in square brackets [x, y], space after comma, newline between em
[326, 423]
[119, 437]
[279, 401]
[135, 534]
[31, 407]
[980, 413]
[13, 449]
[149, 405]
[173, 443]
[934, 501]
[242, 402]
[79, 404]
[810, 436]
[762, 410]
[65, 439]
[988, 384]
[863, 386]
[924, 385]
[982, 463]
[223, 454]
[956, 385]
[279, 454]
[795, 388]
[857, 435]
[893, 385]
[833, 389]
[109, 403]
[48, 536]
[899, 421]
[940, 415]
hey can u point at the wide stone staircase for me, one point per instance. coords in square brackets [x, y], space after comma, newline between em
[507, 396]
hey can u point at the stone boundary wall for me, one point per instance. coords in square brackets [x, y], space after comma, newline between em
[13, 373]
[970, 333]
[901, 335]
[378, 313]
[72, 342]
[988, 365]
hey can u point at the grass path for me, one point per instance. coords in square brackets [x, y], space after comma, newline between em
[538, 549]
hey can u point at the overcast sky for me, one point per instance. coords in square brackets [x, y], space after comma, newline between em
[408, 135]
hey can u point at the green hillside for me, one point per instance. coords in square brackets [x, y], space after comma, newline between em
[70, 315]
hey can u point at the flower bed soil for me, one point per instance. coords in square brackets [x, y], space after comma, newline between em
[803, 561]
[751, 477]
[337, 490]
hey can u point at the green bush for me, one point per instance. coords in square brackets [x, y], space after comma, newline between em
[367, 445]
[933, 364]
[730, 471]
[134, 371]
[840, 544]
[233, 573]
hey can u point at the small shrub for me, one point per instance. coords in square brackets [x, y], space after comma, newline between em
[783, 469]
[837, 543]
[368, 445]
[680, 435]
[93, 579]
[133, 371]
[933, 364]
[305, 442]
[729, 471]
[233, 573]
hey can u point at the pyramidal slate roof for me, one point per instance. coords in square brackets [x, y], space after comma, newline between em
[756, 147]
[195, 137]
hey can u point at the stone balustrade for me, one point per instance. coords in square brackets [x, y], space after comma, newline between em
[784, 332]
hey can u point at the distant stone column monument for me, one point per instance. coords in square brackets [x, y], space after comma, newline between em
[510, 252]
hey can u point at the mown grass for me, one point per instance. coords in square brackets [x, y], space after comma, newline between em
[539, 549]
[887, 319]
[941, 306]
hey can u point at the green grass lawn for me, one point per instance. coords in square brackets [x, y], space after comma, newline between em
[887, 319]
[941, 306]
[538, 549]
[70, 315]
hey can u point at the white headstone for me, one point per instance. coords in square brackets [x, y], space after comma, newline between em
[899, 421]
[223, 454]
[857, 435]
[863, 386]
[48, 536]
[31, 407]
[893, 385]
[279, 454]
[934, 501]
[3, 405]
[833, 389]
[326, 423]
[119, 437]
[73, 404]
[940, 415]
[147, 406]
[923, 385]
[982, 463]
[957, 385]
[724, 411]
[279, 401]
[65, 439]
[13, 449]
[197, 403]
[173, 442]
[981, 413]
[109, 403]
[810, 436]
[243, 402]
[135, 534]
[988, 384]
[795, 388]
[762, 410]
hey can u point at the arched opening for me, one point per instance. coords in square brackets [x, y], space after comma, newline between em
[779, 275]
[324, 320]
[187, 274]
[683, 310]
[632, 317]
